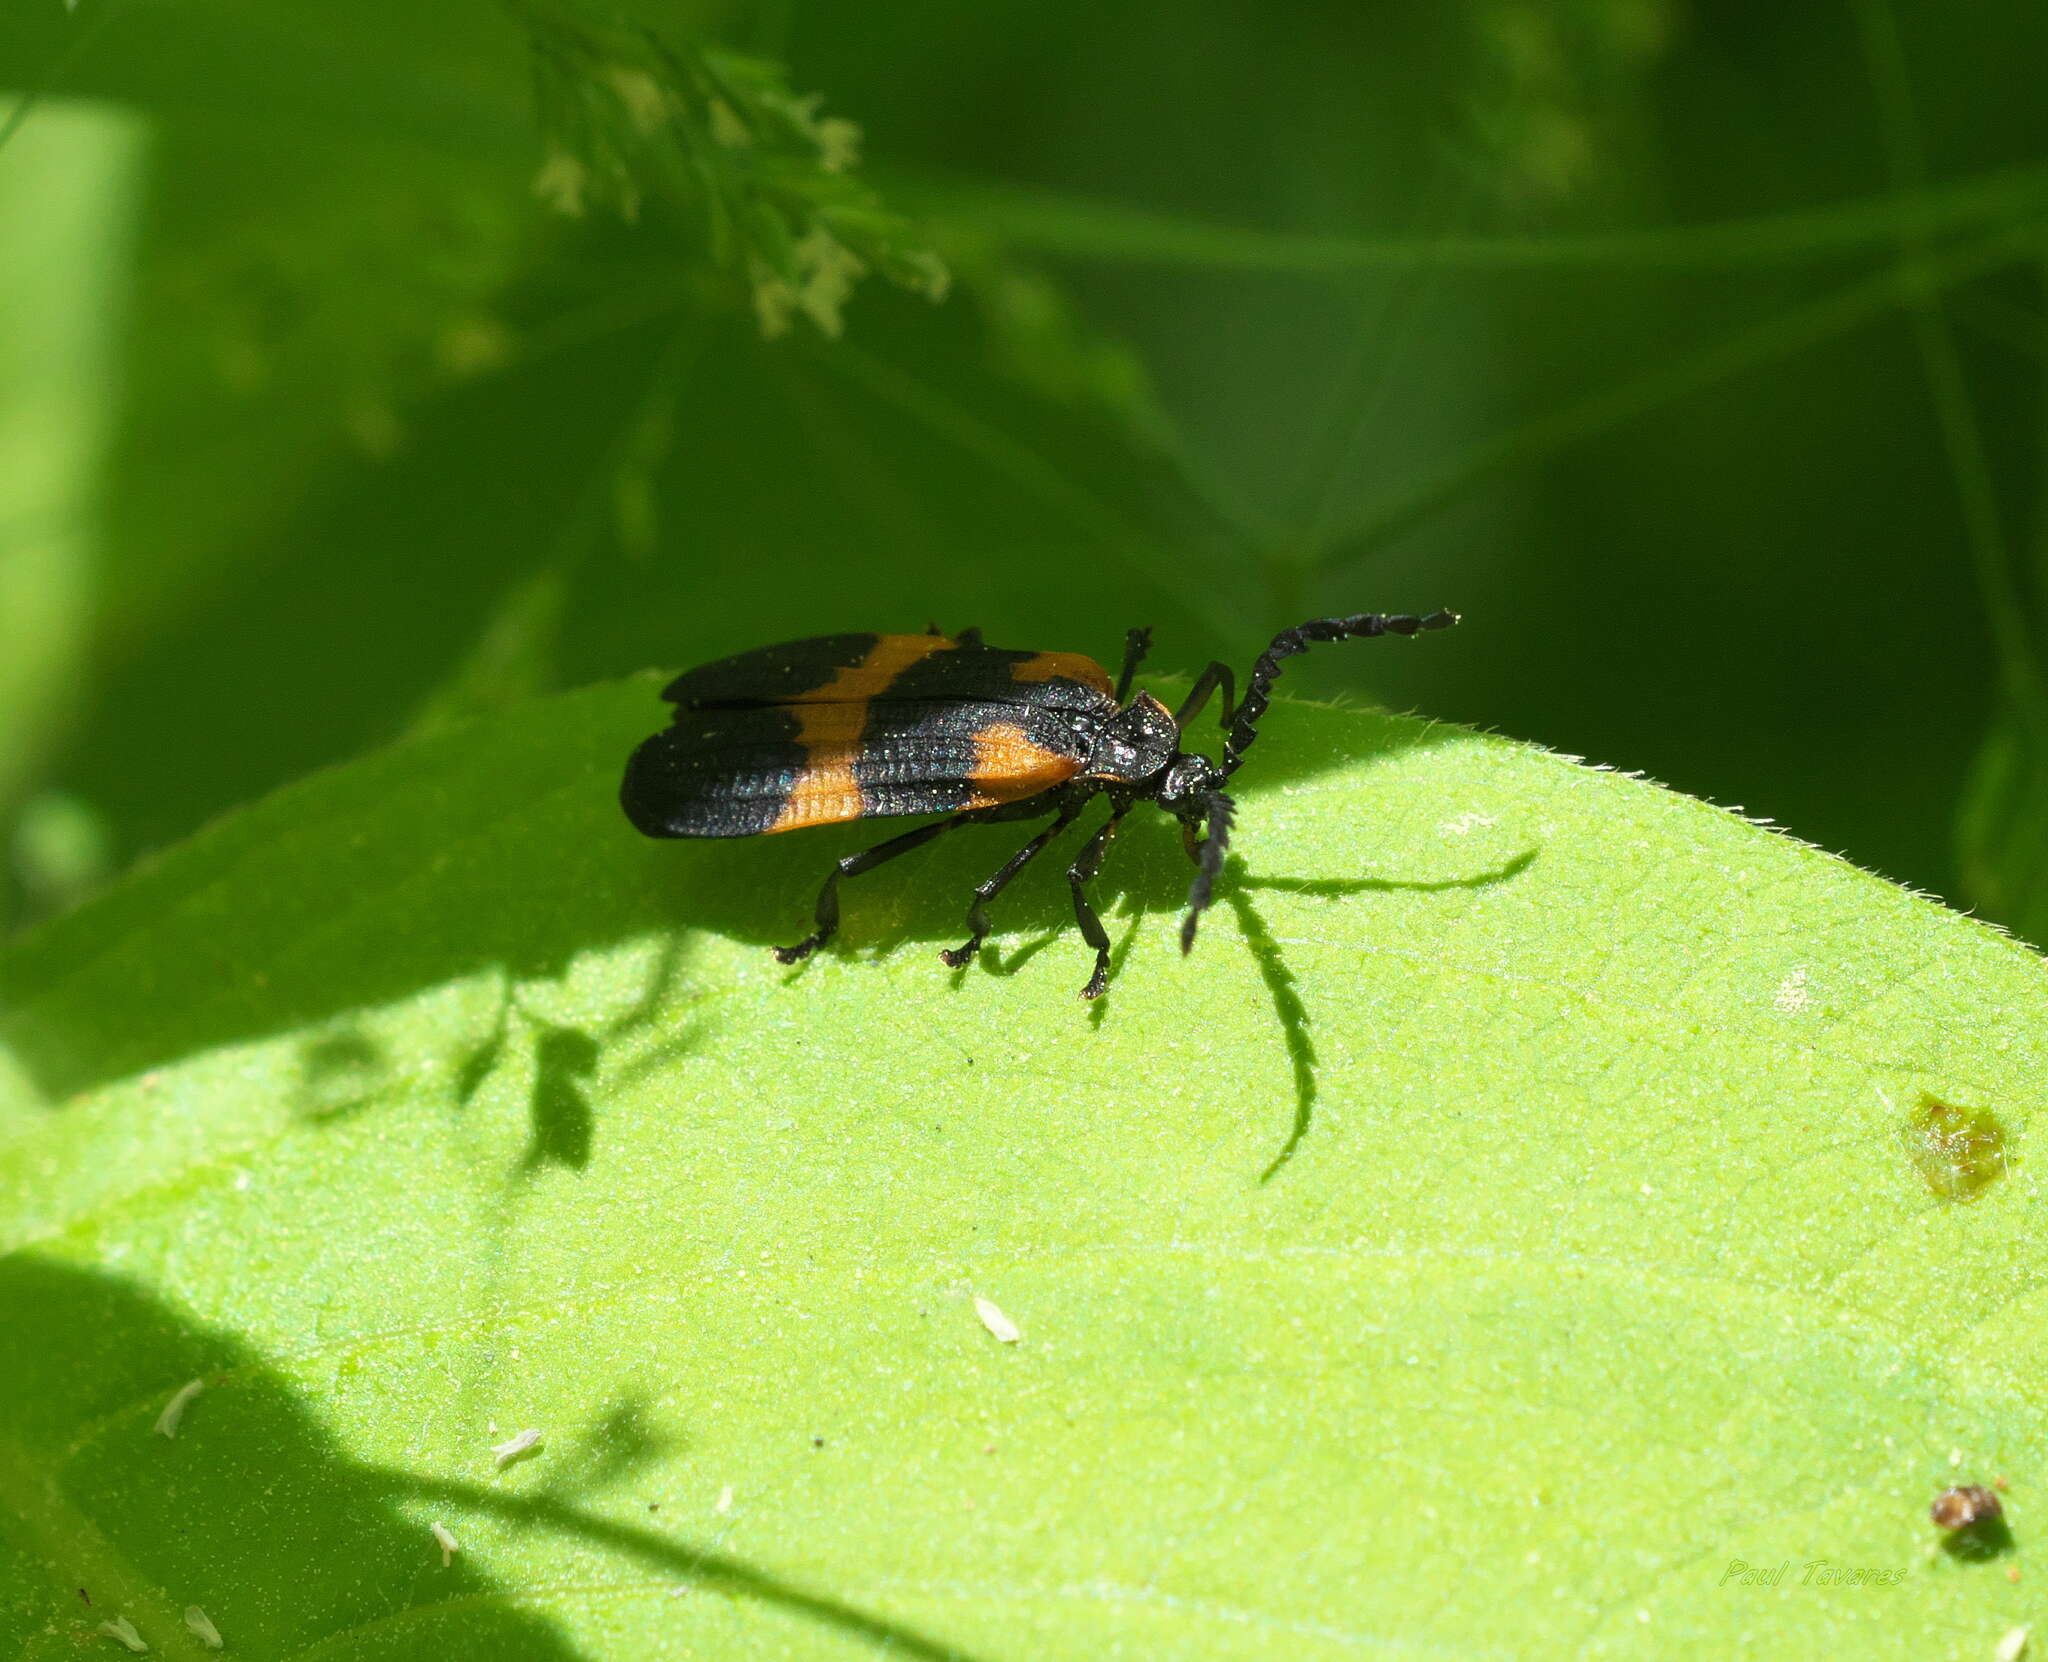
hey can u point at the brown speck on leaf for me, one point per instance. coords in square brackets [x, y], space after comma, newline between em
[1961, 1507]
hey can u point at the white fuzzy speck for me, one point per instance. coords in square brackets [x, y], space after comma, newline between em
[174, 1411]
[514, 1446]
[1791, 996]
[724, 1500]
[447, 1542]
[241, 1182]
[123, 1629]
[995, 1321]
[202, 1624]
[1466, 823]
[2013, 1646]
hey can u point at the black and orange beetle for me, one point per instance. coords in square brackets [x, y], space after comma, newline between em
[848, 727]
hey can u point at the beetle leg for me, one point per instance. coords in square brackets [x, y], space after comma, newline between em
[977, 910]
[1079, 875]
[1205, 684]
[827, 913]
[1137, 642]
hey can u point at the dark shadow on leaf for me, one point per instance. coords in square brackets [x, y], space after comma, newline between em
[560, 1112]
[620, 1445]
[478, 1064]
[499, 849]
[314, 1549]
[1980, 1542]
[340, 1071]
[699, 1566]
[563, 1058]
[1289, 1011]
[992, 962]
[656, 1057]
[1335, 888]
[320, 1547]
[481, 1060]
[1282, 986]
[655, 993]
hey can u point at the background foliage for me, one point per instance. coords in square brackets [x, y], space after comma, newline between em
[368, 369]
[1612, 323]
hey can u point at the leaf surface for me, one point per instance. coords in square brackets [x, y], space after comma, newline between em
[1520, 1209]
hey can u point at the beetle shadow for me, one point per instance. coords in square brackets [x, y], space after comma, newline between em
[1283, 987]
[535, 873]
[1159, 883]
[326, 1544]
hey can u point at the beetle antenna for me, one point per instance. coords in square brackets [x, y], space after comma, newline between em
[1258, 691]
[1214, 846]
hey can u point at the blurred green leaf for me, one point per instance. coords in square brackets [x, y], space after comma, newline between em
[334, 207]
[1851, 308]
[61, 852]
[67, 186]
[1517, 1212]
[2000, 828]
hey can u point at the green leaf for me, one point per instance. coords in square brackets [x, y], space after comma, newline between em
[1527, 1202]
[66, 184]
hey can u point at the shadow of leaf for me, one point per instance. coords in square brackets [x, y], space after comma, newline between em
[621, 1444]
[112, 1519]
[147, 1525]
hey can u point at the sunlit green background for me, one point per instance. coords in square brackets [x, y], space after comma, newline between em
[366, 365]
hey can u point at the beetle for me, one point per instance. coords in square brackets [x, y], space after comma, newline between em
[846, 727]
